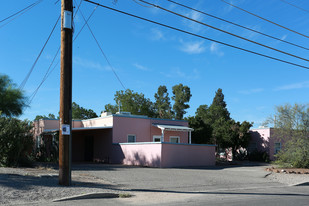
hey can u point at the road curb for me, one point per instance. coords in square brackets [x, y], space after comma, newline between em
[89, 196]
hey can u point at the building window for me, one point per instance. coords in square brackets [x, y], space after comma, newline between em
[277, 147]
[156, 138]
[131, 138]
[174, 139]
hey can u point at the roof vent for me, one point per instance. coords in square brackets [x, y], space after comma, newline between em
[105, 114]
[124, 113]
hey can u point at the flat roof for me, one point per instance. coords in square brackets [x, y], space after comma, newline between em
[79, 129]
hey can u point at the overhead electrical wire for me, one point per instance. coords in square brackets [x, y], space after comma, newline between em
[110, 65]
[235, 24]
[48, 72]
[291, 30]
[196, 35]
[305, 10]
[22, 85]
[221, 30]
[19, 13]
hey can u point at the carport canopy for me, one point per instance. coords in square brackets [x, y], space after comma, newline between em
[179, 128]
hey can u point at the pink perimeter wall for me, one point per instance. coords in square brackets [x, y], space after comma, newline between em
[164, 154]
[184, 155]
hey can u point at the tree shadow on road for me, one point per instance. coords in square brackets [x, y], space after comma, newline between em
[26, 182]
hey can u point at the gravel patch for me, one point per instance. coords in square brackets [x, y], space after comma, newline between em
[289, 179]
[25, 185]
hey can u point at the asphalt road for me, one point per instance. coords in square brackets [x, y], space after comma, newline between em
[238, 185]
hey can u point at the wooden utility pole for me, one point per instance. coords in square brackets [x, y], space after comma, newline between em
[65, 133]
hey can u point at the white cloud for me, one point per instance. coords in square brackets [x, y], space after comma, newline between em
[193, 25]
[193, 47]
[251, 91]
[90, 64]
[299, 85]
[177, 73]
[215, 49]
[157, 34]
[284, 37]
[141, 67]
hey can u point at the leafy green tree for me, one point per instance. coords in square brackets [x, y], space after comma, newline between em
[79, 112]
[12, 100]
[49, 116]
[111, 108]
[16, 141]
[239, 136]
[181, 95]
[135, 103]
[202, 132]
[162, 104]
[291, 125]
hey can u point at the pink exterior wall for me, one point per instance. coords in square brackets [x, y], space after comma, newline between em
[265, 140]
[261, 138]
[123, 126]
[98, 122]
[144, 130]
[165, 154]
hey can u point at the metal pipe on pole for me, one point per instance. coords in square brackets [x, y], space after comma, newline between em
[65, 132]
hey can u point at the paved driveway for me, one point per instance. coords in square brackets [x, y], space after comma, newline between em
[236, 185]
[232, 185]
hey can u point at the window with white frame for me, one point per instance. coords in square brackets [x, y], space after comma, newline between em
[131, 138]
[156, 138]
[174, 139]
[277, 147]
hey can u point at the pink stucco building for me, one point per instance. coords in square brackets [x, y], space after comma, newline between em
[132, 140]
[264, 139]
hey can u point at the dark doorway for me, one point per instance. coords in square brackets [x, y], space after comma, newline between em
[89, 148]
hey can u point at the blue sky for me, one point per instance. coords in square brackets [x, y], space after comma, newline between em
[146, 56]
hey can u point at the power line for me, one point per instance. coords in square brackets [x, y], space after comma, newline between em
[48, 72]
[110, 65]
[235, 24]
[305, 10]
[196, 35]
[21, 86]
[265, 19]
[221, 30]
[21, 12]
[28, 7]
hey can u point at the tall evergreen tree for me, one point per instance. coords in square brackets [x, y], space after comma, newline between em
[162, 104]
[181, 95]
[219, 119]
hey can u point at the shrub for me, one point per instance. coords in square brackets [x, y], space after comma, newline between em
[259, 156]
[16, 142]
[48, 150]
[295, 154]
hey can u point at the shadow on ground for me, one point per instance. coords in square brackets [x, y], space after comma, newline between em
[26, 182]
